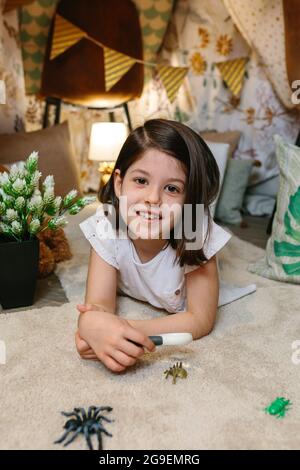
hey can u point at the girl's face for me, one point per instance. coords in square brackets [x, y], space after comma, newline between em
[152, 194]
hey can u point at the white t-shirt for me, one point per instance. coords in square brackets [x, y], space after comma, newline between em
[158, 281]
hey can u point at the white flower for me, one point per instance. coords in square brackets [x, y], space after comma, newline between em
[16, 227]
[34, 226]
[6, 198]
[49, 195]
[49, 182]
[57, 203]
[57, 222]
[14, 172]
[20, 203]
[4, 228]
[88, 200]
[32, 160]
[36, 204]
[70, 196]
[4, 178]
[35, 178]
[19, 185]
[11, 215]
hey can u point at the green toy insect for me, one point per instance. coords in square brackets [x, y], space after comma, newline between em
[278, 407]
[176, 371]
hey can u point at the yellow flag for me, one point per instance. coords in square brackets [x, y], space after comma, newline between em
[116, 65]
[65, 35]
[233, 72]
[172, 78]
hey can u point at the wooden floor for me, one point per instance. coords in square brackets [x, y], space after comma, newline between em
[50, 292]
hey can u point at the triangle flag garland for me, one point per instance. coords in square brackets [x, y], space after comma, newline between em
[65, 35]
[116, 65]
[172, 78]
[233, 72]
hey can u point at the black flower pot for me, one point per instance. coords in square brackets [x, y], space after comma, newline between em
[19, 262]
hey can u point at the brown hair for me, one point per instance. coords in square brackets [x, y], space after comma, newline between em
[181, 142]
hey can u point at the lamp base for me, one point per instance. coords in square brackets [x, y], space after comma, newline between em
[105, 169]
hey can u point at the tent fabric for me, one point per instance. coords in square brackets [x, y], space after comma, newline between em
[261, 22]
[12, 114]
[291, 9]
[207, 36]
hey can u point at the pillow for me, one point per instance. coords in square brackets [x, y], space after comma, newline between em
[261, 197]
[55, 154]
[231, 137]
[232, 194]
[282, 258]
[221, 153]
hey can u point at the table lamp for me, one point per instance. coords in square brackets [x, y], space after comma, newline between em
[106, 141]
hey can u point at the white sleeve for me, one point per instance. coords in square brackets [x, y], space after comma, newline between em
[217, 239]
[98, 231]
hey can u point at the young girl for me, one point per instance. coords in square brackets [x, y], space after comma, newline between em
[162, 164]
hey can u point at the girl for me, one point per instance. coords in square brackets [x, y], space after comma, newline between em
[161, 165]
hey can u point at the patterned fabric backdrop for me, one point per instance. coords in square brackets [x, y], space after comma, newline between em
[200, 34]
[11, 71]
[208, 35]
[35, 20]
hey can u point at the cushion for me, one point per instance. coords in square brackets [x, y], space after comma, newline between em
[282, 257]
[231, 137]
[221, 153]
[232, 193]
[55, 154]
[260, 198]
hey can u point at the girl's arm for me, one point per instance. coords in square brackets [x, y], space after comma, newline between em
[202, 288]
[101, 333]
[101, 284]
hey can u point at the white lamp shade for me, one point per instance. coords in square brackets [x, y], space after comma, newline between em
[106, 140]
[2, 92]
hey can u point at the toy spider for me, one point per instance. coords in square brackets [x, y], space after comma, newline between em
[87, 423]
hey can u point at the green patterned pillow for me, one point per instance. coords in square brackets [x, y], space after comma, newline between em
[282, 260]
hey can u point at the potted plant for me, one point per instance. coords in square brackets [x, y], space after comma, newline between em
[28, 207]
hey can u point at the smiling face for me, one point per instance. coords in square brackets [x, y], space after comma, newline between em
[151, 194]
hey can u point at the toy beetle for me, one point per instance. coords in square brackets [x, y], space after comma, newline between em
[278, 407]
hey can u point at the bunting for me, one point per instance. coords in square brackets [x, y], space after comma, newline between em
[65, 35]
[233, 72]
[116, 65]
[172, 78]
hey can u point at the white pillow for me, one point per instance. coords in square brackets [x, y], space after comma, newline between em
[221, 153]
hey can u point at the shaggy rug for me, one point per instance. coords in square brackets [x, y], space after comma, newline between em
[233, 374]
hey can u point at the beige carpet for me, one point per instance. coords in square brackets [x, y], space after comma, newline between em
[232, 375]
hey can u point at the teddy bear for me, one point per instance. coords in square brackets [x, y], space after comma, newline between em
[54, 247]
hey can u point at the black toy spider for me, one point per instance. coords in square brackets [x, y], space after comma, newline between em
[87, 423]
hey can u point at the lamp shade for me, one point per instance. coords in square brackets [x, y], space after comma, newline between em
[106, 140]
[2, 92]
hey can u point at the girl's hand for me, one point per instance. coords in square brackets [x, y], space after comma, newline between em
[109, 337]
[84, 350]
